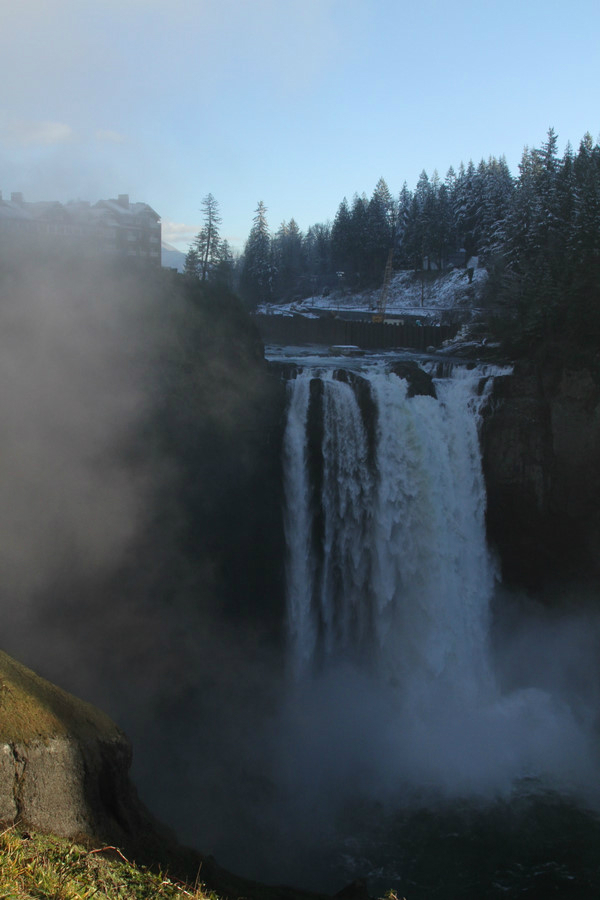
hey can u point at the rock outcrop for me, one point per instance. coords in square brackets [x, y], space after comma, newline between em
[64, 769]
[541, 457]
[419, 381]
[63, 763]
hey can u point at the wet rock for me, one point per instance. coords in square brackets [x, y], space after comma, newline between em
[419, 381]
[285, 370]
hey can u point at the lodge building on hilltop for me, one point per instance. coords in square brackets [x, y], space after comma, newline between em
[116, 228]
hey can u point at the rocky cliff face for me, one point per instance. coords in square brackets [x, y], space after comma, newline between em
[541, 457]
[64, 765]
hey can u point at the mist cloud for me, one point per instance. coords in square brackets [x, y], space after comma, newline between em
[70, 395]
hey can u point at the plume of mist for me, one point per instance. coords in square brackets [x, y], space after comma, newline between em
[72, 390]
[87, 354]
[131, 428]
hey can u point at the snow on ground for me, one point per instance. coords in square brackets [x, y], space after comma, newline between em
[408, 293]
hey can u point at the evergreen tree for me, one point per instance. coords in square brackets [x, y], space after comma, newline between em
[359, 240]
[380, 227]
[223, 273]
[585, 235]
[383, 195]
[192, 263]
[443, 242]
[207, 243]
[423, 216]
[565, 189]
[404, 227]
[341, 239]
[541, 253]
[497, 193]
[288, 258]
[257, 268]
[317, 256]
[466, 209]
[450, 182]
[584, 242]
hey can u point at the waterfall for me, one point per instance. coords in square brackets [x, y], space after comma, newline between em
[390, 584]
[409, 705]
[303, 631]
[387, 559]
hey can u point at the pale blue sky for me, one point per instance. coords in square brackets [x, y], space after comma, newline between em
[293, 103]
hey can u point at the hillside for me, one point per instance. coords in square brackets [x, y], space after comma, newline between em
[412, 293]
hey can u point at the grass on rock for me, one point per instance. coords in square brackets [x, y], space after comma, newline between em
[36, 866]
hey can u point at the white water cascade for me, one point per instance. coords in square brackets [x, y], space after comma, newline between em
[389, 575]
[388, 548]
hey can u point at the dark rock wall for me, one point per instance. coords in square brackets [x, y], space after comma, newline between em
[222, 428]
[541, 459]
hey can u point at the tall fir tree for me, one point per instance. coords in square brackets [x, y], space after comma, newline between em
[204, 255]
[341, 238]
[317, 255]
[288, 255]
[381, 227]
[192, 263]
[257, 269]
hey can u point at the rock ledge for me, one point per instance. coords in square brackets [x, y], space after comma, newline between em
[64, 765]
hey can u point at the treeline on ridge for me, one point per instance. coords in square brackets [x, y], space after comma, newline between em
[537, 234]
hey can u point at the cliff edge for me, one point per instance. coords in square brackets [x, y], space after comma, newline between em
[64, 765]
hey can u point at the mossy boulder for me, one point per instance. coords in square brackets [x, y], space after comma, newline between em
[64, 765]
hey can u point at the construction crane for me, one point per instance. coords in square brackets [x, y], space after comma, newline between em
[385, 289]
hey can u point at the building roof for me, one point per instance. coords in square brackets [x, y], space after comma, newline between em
[81, 210]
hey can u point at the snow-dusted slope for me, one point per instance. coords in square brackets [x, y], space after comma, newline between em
[408, 292]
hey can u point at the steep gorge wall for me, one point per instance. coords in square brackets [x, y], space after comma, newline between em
[221, 426]
[541, 458]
